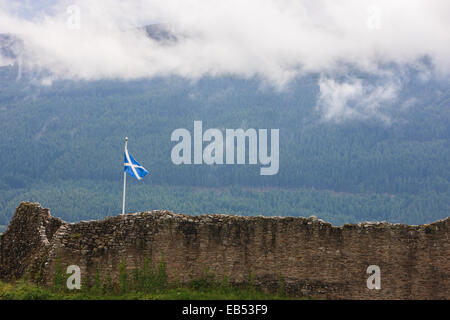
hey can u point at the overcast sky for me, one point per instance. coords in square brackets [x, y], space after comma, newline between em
[273, 40]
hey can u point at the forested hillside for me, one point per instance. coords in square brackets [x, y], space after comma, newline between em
[62, 145]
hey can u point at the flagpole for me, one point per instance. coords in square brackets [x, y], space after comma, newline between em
[124, 180]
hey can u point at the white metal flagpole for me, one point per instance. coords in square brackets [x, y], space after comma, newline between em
[124, 180]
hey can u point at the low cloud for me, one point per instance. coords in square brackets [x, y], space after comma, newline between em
[5, 61]
[354, 99]
[273, 40]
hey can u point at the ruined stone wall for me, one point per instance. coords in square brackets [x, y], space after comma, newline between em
[314, 257]
[24, 243]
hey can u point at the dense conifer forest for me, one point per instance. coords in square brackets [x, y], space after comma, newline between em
[62, 145]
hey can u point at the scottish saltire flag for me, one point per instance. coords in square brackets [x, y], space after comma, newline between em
[133, 168]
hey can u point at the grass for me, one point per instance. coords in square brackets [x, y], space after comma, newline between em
[145, 282]
[25, 290]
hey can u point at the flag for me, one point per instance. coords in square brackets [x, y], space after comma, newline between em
[133, 168]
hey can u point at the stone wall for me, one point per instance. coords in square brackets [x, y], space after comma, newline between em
[314, 257]
[24, 244]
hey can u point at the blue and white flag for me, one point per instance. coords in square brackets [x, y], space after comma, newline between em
[133, 168]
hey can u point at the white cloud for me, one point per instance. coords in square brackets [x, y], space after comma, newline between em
[352, 99]
[4, 61]
[274, 40]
